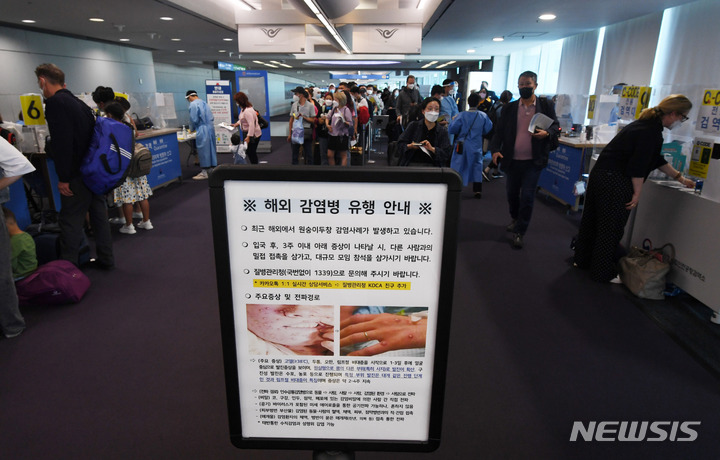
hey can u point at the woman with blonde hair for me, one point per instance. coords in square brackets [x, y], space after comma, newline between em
[616, 182]
[338, 122]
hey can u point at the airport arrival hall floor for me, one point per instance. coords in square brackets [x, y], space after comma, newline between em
[135, 370]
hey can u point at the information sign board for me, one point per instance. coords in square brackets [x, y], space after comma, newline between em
[708, 119]
[335, 292]
[32, 109]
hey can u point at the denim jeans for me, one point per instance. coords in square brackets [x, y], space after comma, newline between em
[308, 146]
[521, 182]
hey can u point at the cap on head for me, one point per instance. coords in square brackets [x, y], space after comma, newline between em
[189, 93]
[300, 90]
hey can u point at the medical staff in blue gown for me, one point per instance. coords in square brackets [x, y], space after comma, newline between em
[202, 121]
[470, 127]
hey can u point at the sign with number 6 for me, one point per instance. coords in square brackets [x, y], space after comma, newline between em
[32, 109]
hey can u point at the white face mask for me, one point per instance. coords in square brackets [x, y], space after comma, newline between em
[411, 86]
[329, 102]
[296, 98]
[675, 124]
[335, 104]
[369, 93]
[432, 116]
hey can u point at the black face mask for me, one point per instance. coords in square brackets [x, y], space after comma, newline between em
[526, 92]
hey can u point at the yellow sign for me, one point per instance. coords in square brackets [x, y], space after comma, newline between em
[632, 101]
[643, 100]
[591, 107]
[333, 284]
[32, 109]
[711, 97]
[700, 159]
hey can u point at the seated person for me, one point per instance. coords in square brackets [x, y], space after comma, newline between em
[22, 246]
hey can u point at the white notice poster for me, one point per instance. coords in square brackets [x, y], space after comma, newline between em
[335, 296]
[219, 94]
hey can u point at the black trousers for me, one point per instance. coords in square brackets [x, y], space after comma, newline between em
[252, 146]
[72, 219]
[603, 223]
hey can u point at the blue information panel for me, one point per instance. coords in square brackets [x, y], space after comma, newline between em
[563, 170]
[18, 204]
[165, 159]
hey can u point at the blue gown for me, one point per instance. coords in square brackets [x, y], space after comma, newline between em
[202, 121]
[470, 127]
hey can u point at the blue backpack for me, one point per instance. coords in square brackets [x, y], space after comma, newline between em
[105, 165]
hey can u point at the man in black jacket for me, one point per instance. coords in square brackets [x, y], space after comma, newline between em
[524, 154]
[71, 123]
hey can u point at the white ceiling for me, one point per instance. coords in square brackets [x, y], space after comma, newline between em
[450, 27]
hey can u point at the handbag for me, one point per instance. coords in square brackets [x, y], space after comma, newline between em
[297, 135]
[57, 282]
[643, 271]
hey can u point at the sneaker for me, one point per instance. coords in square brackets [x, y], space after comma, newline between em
[12, 335]
[117, 220]
[511, 226]
[136, 215]
[485, 176]
[496, 175]
[517, 241]
[202, 175]
[128, 229]
[145, 225]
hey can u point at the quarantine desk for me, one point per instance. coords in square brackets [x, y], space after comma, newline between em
[566, 165]
[163, 144]
[666, 214]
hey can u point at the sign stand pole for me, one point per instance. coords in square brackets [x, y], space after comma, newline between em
[333, 455]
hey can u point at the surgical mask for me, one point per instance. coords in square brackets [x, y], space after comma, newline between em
[411, 86]
[296, 98]
[369, 93]
[331, 91]
[432, 116]
[526, 92]
[395, 94]
[329, 102]
[335, 104]
[675, 124]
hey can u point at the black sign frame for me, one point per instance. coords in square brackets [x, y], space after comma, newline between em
[320, 174]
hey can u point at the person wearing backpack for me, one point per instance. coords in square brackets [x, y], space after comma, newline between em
[524, 154]
[249, 125]
[133, 189]
[71, 124]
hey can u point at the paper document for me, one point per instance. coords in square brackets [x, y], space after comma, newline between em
[540, 121]
[227, 126]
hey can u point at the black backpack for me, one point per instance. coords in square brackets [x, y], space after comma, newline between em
[8, 135]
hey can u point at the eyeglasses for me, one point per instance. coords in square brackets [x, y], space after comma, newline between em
[683, 118]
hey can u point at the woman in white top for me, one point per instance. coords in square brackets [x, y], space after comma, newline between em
[249, 126]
